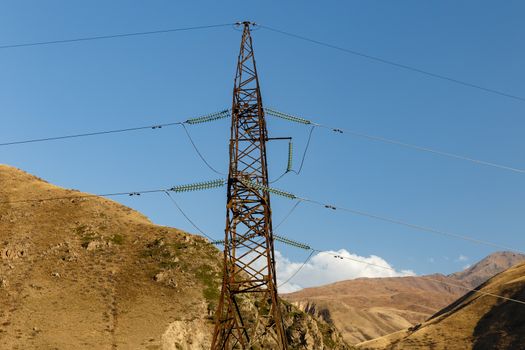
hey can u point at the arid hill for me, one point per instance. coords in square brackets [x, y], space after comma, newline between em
[488, 267]
[475, 321]
[367, 308]
[89, 273]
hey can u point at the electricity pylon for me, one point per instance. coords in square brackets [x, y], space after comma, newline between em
[249, 277]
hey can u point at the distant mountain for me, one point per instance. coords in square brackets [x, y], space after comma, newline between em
[475, 321]
[488, 267]
[367, 308]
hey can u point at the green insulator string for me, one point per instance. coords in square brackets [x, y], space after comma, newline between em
[198, 186]
[286, 116]
[291, 242]
[260, 187]
[278, 238]
[290, 157]
[209, 117]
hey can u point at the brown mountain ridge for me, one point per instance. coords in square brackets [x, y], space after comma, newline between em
[476, 321]
[367, 308]
[493, 264]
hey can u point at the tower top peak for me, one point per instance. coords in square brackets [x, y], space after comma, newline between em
[246, 23]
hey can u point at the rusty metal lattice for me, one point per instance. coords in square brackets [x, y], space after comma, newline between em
[249, 276]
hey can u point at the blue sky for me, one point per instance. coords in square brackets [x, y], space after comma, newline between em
[127, 82]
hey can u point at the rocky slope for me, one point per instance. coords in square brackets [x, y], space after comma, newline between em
[367, 308]
[475, 321]
[89, 273]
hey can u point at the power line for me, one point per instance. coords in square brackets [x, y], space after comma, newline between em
[113, 36]
[424, 149]
[305, 151]
[105, 132]
[279, 177]
[413, 226]
[32, 200]
[115, 131]
[336, 130]
[199, 152]
[292, 196]
[394, 142]
[186, 216]
[299, 269]
[396, 64]
[206, 185]
[296, 204]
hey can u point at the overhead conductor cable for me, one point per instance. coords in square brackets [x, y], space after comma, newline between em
[205, 118]
[396, 64]
[295, 119]
[113, 36]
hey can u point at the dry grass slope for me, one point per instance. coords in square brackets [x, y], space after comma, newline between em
[90, 273]
[474, 321]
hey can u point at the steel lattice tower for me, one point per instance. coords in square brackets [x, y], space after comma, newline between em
[249, 276]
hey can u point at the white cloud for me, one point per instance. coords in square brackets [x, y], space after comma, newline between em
[324, 268]
[466, 266]
[462, 257]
